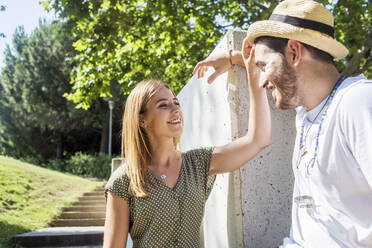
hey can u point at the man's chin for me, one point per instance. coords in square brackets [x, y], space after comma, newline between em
[284, 106]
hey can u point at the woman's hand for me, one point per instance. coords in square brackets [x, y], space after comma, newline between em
[220, 62]
[248, 55]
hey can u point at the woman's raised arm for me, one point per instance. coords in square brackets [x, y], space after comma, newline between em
[233, 155]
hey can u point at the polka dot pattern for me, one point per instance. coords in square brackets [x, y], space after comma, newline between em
[168, 217]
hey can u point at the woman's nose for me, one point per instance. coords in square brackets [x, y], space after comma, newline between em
[175, 107]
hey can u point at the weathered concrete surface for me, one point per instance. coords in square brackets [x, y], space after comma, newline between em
[208, 112]
[251, 206]
[267, 186]
[115, 163]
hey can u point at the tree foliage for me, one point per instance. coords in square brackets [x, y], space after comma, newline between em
[36, 120]
[2, 8]
[126, 41]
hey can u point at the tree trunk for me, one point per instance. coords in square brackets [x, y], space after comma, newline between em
[60, 146]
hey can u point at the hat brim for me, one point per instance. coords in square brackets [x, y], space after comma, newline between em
[307, 36]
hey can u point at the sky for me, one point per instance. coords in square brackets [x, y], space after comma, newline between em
[19, 13]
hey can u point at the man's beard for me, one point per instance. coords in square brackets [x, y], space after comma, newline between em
[285, 82]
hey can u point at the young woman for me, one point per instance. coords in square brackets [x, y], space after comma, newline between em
[158, 196]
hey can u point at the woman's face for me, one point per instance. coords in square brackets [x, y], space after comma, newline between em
[163, 116]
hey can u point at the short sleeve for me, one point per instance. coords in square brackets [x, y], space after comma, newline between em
[356, 123]
[118, 184]
[201, 158]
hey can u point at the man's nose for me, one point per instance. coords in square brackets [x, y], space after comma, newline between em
[270, 85]
[263, 83]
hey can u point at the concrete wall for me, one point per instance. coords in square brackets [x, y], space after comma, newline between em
[207, 122]
[251, 206]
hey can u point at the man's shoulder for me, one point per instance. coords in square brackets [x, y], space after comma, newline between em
[355, 96]
[356, 90]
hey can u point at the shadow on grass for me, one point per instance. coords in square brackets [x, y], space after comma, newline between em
[7, 231]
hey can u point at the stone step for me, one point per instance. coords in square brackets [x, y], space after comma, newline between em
[85, 246]
[82, 215]
[62, 236]
[84, 208]
[78, 222]
[99, 193]
[92, 198]
[89, 203]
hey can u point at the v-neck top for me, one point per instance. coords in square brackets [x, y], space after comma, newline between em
[168, 217]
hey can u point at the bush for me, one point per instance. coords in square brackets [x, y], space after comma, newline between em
[56, 164]
[89, 165]
[31, 159]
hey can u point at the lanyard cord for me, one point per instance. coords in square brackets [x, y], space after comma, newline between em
[325, 107]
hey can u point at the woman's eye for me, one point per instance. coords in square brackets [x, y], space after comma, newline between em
[162, 105]
[177, 103]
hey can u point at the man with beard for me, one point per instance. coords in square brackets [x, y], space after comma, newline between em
[332, 160]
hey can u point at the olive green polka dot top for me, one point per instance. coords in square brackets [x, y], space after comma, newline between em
[168, 217]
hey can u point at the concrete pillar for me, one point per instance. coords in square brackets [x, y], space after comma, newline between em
[115, 163]
[251, 206]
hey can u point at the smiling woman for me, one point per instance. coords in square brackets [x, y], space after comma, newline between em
[159, 195]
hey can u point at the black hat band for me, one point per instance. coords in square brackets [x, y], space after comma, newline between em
[304, 23]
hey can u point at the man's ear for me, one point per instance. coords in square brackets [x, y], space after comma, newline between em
[246, 49]
[294, 52]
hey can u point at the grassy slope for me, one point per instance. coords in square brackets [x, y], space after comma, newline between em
[31, 196]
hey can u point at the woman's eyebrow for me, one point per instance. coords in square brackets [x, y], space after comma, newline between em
[161, 99]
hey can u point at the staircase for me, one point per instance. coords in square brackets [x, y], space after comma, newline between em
[89, 210]
[80, 225]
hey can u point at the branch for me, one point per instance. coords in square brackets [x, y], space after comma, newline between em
[220, 26]
[263, 7]
[260, 5]
[352, 66]
[368, 63]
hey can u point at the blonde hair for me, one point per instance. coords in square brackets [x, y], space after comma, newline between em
[135, 142]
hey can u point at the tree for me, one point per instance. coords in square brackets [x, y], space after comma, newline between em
[2, 8]
[126, 41]
[35, 118]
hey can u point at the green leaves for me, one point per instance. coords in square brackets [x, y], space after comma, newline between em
[35, 117]
[126, 41]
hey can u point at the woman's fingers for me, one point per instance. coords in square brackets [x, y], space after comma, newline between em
[214, 76]
[201, 64]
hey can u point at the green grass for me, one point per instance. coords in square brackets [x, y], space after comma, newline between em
[31, 196]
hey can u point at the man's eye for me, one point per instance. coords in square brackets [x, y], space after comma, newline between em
[162, 105]
[261, 65]
[177, 103]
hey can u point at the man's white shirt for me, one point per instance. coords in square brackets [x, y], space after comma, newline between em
[332, 200]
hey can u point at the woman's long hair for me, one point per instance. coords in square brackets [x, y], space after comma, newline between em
[135, 142]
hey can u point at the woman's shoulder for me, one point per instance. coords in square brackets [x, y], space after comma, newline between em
[197, 154]
[121, 173]
[119, 182]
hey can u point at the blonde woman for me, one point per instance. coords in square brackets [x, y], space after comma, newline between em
[158, 196]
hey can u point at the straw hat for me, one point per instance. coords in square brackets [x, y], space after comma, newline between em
[303, 20]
